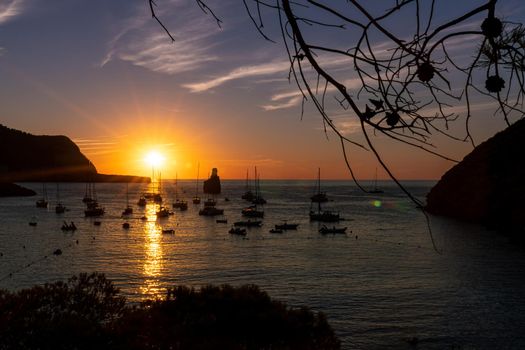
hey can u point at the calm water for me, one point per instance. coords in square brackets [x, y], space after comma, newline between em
[378, 290]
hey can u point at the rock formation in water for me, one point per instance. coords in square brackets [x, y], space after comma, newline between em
[213, 184]
[488, 185]
[13, 190]
[27, 157]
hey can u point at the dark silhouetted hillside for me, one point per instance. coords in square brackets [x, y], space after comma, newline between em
[488, 185]
[13, 190]
[26, 157]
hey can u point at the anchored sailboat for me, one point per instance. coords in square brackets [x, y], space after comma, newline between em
[59, 208]
[321, 215]
[196, 198]
[376, 189]
[128, 210]
[42, 203]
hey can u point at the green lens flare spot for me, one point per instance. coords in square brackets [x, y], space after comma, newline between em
[377, 203]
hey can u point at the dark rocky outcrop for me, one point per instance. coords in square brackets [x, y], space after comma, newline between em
[488, 185]
[25, 157]
[13, 190]
[213, 184]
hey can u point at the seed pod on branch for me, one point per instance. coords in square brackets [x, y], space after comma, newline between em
[494, 83]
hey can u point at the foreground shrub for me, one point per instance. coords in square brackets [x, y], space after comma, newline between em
[87, 313]
[60, 315]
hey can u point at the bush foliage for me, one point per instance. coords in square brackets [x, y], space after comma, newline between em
[87, 312]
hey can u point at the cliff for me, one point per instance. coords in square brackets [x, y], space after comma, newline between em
[487, 186]
[27, 157]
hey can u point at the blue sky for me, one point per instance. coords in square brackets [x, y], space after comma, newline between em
[105, 74]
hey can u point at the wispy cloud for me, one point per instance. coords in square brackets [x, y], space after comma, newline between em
[239, 73]
[142, 42]
[284, 100]
[10, 9]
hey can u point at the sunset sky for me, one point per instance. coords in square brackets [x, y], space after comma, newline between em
[106, 75]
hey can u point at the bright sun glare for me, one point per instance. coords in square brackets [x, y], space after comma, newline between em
[154, 159]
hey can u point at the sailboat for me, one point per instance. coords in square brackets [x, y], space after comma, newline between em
[321, 215]
[157, 196]
[196, 198]
[92, 207]
[128, 210]
[258, 199]
[42, 203]
[248, 194]
[376, 189]
[319, 197]
[88, 194]
[180, 204]
[59, 208]
[253, 211]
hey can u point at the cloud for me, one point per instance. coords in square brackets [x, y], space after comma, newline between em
[239, 73]
[10, 9]
[291, 99]
[142, 42]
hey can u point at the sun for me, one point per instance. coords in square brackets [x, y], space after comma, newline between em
[154, 159]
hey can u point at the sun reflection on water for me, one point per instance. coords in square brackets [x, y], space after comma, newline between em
[153, 253]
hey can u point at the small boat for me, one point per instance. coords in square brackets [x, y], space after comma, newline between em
[128, 210]
[237, 231]
[157, 198]
[210, 202]
[180, 204]
[248, 194]
[183, 206]
[221, 221]
[286, 226]
[327, 230]
[257, 198]
[144, 218]
[320, 215]
[60, 208]
[163, 212]
[97, 223]
[376, 189]
[325, 216]
[196, 199]
[142, 201]
[252, 212]
[43, 203]
[168, 231]
[226, 199]
[211, 211]
[319, 197]
[93, 210]
[32, 223]
[126, 225]
[248, 223]
[70, 227]
[275, 230]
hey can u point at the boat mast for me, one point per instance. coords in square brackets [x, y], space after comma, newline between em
[197, 182]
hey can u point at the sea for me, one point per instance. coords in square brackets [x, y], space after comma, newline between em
[395, 280]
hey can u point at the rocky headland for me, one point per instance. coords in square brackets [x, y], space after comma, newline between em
[487, 186]
[42, 158]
